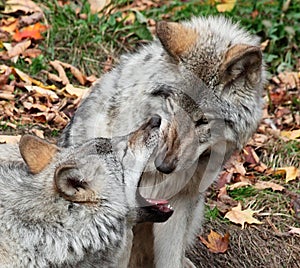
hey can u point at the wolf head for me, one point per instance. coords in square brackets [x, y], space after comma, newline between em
[100, 173]
[221, 73]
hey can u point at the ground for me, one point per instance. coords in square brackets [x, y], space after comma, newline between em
[45, 70]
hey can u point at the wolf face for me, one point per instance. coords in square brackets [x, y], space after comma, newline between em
[84, 197]
[204, 78]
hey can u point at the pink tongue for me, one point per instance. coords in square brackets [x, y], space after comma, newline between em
[157, 201]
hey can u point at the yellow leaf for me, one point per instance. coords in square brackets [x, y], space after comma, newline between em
[239, 216]
[292, 135]
[291, 173]
[226, 5]
[29, 80]
[261, 185]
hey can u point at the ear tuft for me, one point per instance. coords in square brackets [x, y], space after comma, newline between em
[37, 153]
[240, 60]
[175, 37]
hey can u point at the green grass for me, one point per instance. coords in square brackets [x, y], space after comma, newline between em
[86, 42]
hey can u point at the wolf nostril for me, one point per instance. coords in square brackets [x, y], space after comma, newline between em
[155, 121]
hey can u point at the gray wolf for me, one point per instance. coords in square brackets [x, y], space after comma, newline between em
[71, 207]
[205, 78]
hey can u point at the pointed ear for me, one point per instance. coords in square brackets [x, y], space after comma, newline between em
[37, 153]
[70, 184]
[241, 60]
[175, 37]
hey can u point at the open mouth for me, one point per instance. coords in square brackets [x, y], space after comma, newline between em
[152, 210]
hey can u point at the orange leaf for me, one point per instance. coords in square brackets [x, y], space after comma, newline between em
[239, 216]
[31, 31]
[215, 242]
[10, 25]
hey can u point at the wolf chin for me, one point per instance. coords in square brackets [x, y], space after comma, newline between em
[204, 77]
[74, 207]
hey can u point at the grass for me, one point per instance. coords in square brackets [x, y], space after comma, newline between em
[86, 40]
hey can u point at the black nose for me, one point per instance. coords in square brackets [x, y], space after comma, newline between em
[163, 167]
[155, 121]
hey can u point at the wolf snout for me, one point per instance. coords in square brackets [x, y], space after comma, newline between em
[165, 164]
[155, 121]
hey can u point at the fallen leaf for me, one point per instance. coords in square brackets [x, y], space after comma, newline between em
[97, 5]
[10, 25]
[38, 132]
[77, 74]
[226, 5]
[18, 48]
[30, 19]
[31, 31]
[290, 173]
[43, 92]
[239, 216]
[75, 91]
[61, 72]
[239, 184]
[27, 6]
[9, 139]
[261, 185]
[7, 96]
[29, 80]
[215, 242]
[32, 52]
[292, 135]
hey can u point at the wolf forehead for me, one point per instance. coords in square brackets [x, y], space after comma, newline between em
[202, 43]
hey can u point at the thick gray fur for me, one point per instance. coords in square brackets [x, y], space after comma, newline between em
[41, 227]
[214, 107]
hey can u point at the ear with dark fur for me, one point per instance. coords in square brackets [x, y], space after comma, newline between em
[241, 60]
[37, 153]
[175, 37]
[70, 184]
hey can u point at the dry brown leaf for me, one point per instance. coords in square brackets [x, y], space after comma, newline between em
[215, 242]
[18, 48]
[38, 132]
[30, 19]
[291, 173]
[97, 5]
[239, 216]
[32, 52]
[75, 91]
[7, 96]
[29, 80]
[77, 74]
[261, 185]
[5, 72]
[43, 92]
[239, 184]
[61, 72]
[27, 6]
[292, 135]
[10, 139]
